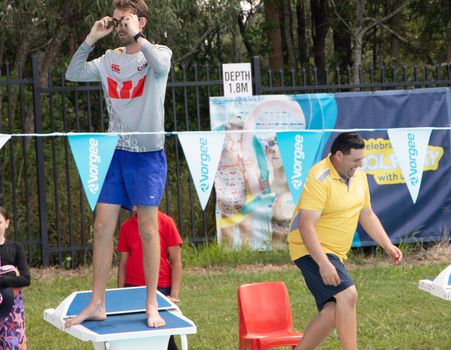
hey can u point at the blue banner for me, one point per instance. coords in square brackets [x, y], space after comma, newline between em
[428, 219]
[410, 147]
[253, 199]
[92, 155]
[202, 153]
[299, 151]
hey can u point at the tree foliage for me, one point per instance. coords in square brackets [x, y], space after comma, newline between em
[320, 32]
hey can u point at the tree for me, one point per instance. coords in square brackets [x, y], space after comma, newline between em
[361, 26]
[320, 27]
[272, 17]
[303, 46]
[448, 57]
[396, 25]
[288, 33]
[195, 30]
[341, 35]
[247, 22]
[37, 27]
[430, 27]
[226, 30]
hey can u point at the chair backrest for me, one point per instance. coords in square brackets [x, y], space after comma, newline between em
[264, 307]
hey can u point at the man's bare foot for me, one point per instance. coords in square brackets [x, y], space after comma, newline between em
[91, 312]
[154, 319]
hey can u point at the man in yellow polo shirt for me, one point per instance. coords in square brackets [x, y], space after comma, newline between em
[334, 199]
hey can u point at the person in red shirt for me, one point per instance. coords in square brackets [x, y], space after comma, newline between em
[131, 272]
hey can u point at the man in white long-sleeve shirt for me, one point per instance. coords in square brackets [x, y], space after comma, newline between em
[134, 81]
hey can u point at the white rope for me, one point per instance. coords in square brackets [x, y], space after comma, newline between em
[169, 133]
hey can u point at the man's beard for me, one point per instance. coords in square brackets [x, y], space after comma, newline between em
[125, 39]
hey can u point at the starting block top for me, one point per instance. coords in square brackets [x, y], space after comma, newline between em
[117, 301]
[440, 286]
[136, 322]
[126, 318]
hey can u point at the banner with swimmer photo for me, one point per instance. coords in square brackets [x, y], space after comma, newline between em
[253, 201]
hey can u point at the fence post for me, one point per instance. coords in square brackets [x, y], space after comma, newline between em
[257, 75]
[37, 110]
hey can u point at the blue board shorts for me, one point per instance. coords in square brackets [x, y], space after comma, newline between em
[135, 178]
[321, 292]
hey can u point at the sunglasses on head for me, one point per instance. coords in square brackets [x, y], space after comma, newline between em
[115, 22]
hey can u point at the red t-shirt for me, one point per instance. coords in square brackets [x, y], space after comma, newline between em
[130, 241]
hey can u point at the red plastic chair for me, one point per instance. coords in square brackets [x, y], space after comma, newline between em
[265, 317]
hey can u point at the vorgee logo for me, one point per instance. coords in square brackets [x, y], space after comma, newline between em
[296, 178]
[413, 161]
[380, 161]
[94, 161]
[204, 164]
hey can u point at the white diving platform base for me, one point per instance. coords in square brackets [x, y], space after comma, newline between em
[126, 324]
[440, 286]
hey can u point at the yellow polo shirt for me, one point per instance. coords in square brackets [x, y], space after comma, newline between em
[340, 205]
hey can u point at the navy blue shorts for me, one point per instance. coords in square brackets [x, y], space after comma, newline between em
[321, 292]
[135, 178]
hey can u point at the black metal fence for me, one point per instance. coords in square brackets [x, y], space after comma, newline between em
[39, 182]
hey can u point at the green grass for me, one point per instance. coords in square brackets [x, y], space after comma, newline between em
[392, 313]
[215, 255]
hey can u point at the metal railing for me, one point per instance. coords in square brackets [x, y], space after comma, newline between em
[39, 182]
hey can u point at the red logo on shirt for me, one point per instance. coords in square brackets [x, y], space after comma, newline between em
[115, 68]
[127, 89]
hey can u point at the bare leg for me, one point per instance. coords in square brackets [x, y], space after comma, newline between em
[319, 328]
[279, 240]
[148, 229]
[346, 318]
[104, 227]
[227, 238]
[246, 230]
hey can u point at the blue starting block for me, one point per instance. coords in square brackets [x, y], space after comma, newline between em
[126, 323]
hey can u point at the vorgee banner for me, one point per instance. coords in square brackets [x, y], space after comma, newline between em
[92, 154]
[4, 138]
[253, 199]
[202, 153]
[257, 211]
[410, 147]
[298, 151]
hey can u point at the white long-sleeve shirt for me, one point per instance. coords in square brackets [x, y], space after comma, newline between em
[134, 87]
